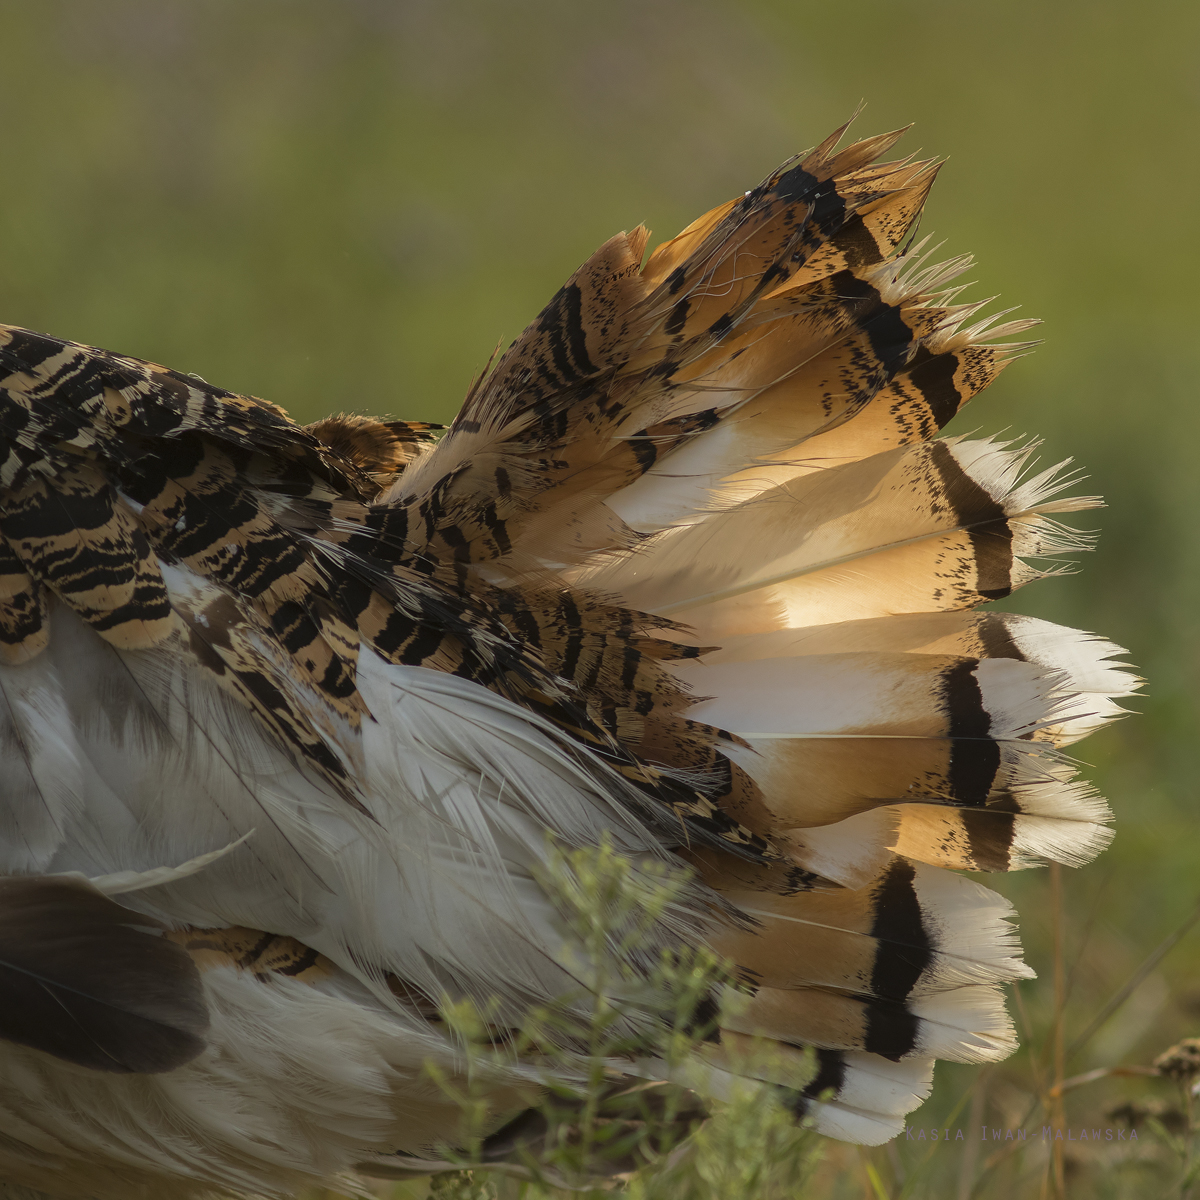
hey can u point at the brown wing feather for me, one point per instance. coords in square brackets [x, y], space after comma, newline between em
[88, 981]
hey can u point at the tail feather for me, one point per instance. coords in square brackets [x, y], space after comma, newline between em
[868, 1096]
[923, 528]
[1084, 682]
[956, 754]
[855, 364]
[914, 930]
[852, 1095]
[968, 1026]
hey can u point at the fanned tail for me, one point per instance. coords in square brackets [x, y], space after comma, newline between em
[740, 439]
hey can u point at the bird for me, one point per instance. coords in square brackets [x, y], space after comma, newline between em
[297, 718]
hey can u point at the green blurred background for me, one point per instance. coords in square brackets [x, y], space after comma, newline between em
[348, 203]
